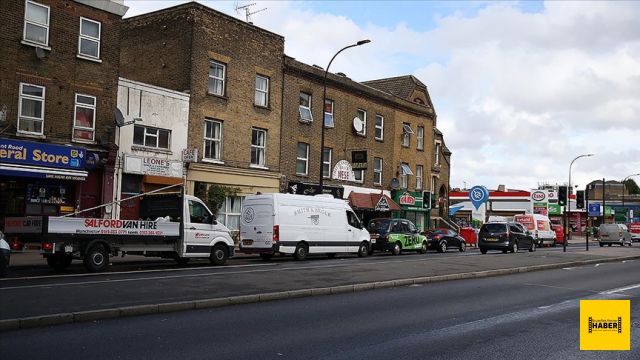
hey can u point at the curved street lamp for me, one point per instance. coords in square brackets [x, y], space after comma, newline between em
[624, 187]
[566, 223]
[324, 99]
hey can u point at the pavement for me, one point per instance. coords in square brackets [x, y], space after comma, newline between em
[120, 294]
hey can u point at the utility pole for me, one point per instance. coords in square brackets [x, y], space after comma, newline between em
[604, 208]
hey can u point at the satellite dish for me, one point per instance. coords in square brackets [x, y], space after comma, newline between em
[358, 125]
[118, 117]
[395, 184]
[40, 54]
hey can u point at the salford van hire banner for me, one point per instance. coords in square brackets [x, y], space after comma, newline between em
[89, 226]
[605, 324]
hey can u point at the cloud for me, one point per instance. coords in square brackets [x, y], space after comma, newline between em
[518, 93]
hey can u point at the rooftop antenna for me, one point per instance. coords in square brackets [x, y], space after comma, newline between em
[247, 10]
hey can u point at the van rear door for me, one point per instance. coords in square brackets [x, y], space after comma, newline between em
[256, 225]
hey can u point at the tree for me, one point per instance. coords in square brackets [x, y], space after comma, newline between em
[632, 187]
[214, 195]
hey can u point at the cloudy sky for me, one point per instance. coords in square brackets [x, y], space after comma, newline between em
[520, 88]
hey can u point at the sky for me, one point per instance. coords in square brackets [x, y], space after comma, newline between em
[520, 88]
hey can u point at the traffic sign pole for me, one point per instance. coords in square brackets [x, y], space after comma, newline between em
[586, 206]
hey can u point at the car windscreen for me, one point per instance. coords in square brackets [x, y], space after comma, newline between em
[378, 225]
[494, 228]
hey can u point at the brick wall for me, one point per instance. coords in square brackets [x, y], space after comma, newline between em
[60, 71]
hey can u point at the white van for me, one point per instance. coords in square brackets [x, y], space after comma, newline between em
[300, 225]
[539, 226]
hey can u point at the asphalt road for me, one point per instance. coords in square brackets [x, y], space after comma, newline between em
[524, 316]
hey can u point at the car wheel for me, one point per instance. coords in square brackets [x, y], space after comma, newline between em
[363, 250]
[514, 247]
[483, 250]
[442, 247]
[266, 257]
[533, 247]
[219, 255]
[423, 248]
[397, 249]
[463, 247]
[301, 252]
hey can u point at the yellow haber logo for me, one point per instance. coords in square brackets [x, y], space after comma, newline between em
[605, 324]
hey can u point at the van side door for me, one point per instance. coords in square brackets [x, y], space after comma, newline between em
[353, 231]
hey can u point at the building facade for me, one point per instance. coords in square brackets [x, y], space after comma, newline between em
[233, 73]
[58, 85]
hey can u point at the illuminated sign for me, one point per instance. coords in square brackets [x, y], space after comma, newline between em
[41, 154]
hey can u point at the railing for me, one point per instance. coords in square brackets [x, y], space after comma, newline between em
[442, 222]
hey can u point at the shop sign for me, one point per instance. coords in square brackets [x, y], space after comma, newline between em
[152, 166]
[383, 204]
[23, 225]
[47, 194]
[359, 160]
[343, 171]
[41, 154]
[540, 208]
[313, 189]
[409, 200]
[190, 155]
[538, 196]
[555, 209]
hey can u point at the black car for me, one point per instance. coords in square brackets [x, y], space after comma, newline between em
[505, 236]
[442, 239]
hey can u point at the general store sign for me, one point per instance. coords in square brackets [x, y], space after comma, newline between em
[152, 166]
[92, 226]
[41, 154]
[343, 171]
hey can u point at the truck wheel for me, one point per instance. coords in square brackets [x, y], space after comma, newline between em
[218, 255]
[59, 262]
[301, 252]
[363, 250]
[96, 259]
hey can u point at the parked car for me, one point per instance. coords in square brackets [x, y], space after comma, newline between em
[5, 254]
[395, 236]
[539, 226]
[634, 229]
[559, 234]
[614, 234]
[505, 236]
[441, 239]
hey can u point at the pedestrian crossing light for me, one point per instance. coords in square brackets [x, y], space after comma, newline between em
[580, 199]
[562, 195]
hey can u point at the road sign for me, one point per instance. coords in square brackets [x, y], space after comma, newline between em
[594, 209]
[478, 195]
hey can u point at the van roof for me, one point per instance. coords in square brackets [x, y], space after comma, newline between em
[295, 197]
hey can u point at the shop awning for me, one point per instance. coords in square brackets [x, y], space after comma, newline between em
[373, 202]
[41, 172]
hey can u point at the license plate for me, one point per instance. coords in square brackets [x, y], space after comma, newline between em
[490, 239]
[373, 240]
[247, 242]
[68, 249]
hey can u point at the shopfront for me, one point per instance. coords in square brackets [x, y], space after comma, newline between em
[38, 179]
[414, 206]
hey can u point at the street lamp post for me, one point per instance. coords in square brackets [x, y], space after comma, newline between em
[566, 233]
[324, 99]
[624, 187]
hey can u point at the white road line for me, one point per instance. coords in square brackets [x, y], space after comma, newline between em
[622, 289]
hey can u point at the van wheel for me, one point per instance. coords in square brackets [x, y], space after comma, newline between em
[96, 259]
[301, 252]
[423, 248]
[397, 249]
[219, 255]
[442, 247]
[363, 250]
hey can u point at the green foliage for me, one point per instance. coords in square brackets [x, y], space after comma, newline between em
[632, 187]
[214, 195]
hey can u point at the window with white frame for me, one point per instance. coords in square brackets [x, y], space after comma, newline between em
[31, 109]
[405, 171]
[305, 108]
[379, 133]
[85, 118]
[377, 171]
[262, 91]
[434, 181]
[362, 115]
[359, 175]
[258, 147]
[216, 78]
[229, 212]
[418, 177]
[151, 137]
[326, 162]
[302, 159]
[437, 153]
[89, 40]
[406, 134]
[328, 113]
[36, 23]
[420, 137]
[212, 140]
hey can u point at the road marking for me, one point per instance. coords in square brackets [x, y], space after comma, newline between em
[557, 287]
[568, 268]
[622, 289]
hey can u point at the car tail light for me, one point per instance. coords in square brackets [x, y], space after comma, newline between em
[276, 233]
[16, 246]
[48, 246]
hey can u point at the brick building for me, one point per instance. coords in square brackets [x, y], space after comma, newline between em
[58, 87]
[233, 73]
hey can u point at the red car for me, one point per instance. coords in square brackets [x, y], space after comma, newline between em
[559, 233]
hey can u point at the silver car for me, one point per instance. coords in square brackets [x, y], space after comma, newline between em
[614, 234]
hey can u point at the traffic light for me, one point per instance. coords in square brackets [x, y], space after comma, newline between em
[562, 195]
[580, 199]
